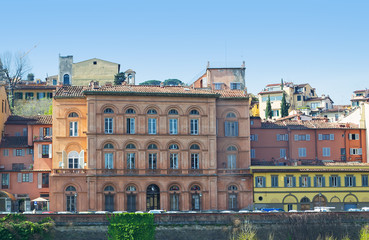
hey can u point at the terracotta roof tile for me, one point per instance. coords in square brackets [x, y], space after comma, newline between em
[301, 125]
[70, 91]
[32, 120]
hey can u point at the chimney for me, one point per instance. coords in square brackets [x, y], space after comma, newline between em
[96, 85]
[108, 84]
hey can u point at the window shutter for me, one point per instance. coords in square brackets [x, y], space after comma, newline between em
[360, 152]
[307, 137]
[346, 181]
[357, 136]
[285, 181]
[50, 151]
[39, 151]
[28, 151]
[82, 159]
[354, 181]
[315, 182]
[51, 131]
[339, 181]
[309, 182]
[351, 151]
[41, 133]
[256, 181]
[350, 136]
[226, 129]
[294, 181]
[64, 160]
[39, 180]
[330, 181]
[323, 180]
[278, 137]
[286, 137]
[14, 152]
[264, 181]
[296, 137]
[19, 177]
[320, 137]
[331, 136]
[30, 177]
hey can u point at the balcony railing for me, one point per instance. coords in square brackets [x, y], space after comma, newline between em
[70, 171]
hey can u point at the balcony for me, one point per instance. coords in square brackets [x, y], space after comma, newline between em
[195, 171]
[70, 171]
[227, 171]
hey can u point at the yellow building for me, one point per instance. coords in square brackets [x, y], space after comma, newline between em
[341, 186]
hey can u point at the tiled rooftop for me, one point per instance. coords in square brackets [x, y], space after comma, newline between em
[81, 91]
[301, 125]
[32, 120]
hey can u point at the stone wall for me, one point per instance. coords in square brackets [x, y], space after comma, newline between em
[220, 226]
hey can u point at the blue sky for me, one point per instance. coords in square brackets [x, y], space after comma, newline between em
[324, 43]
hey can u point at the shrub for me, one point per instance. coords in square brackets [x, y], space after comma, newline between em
[364, 233]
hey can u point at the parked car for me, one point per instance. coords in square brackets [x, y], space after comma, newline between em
[354, 210]
[64, 212]
[101, 212]
[365, 209]
[170, 212]
[86, 212]
[48, 212]
[272, 210]
[139, 212]
[244, 211]
[117, 212]
[156, 211]
[26, 212]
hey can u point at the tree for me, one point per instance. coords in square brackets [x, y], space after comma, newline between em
[151, 82]
[15, 66]
[34, 107]
[173, 82]
[30, 77]
[268, 110]
[284, 106]
[119, 78]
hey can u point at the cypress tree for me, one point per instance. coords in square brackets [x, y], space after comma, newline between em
[284, 106]
[268, 110]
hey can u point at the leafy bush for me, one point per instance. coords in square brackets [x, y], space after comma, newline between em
[364, 233]
[15, 226]
[132, 226]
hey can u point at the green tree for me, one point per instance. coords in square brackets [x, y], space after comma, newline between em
[151, 82]
[268, 110]
[173, 82]
[284, 106]
[33, 107]
[119, 78]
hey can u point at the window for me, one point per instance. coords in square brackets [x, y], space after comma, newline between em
[66, 79]
[304, 181]
[152, 160]
[231, 128]
[19, 152]
[108, 160]
[108, 125]
[218, 86]
[17, 166]
[131, 157]
[282, 137]
[26, 177]
[45, 151]
[130, 111]
[254, 137]
[195, 147]
[319, 181]
[259, 181]
[274, 179]
[6, 152]
[231, 159]
[252, 152]
[194, 126]
[130, 126]
[194, 112]
[4, 180]
[174, 198]
[55, 82]
[18, 95]
[326, 136]
[251, 122]
[130, 146]
[72, 115]
[275, 113]
[29, 95]
[40, 95]
[173, 112]
[173, 158]
[152, 111]
[315, 105]
[334, 181]
[152, 146]
[45, 180]
[173, 126]
[25, 132]
[108, 111]
[152, 125]
[231, 115]
[73, 158]
[299, 98]
[108, 146]
[302, 152]
[173, 147]
[195, 161]
[326, 152]
[282, 152]
[289, 181]
[350, 181]
[235, 86]
[353, 136]
[302, 137]
[355, 151]
[272, 98]
[364, 180]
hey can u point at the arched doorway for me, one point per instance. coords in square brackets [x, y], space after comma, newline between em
[196, 195]
[319, 201]
[109, 198]
[131, 198]
[305, 204]
[152, 197]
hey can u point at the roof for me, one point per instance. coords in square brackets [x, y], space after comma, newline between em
[31, 120]
[142, 90]
[95, 59]
[14, 142]
[271, 92]
[301, 125]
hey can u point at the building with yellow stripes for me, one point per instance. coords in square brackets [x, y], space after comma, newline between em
[342, 186]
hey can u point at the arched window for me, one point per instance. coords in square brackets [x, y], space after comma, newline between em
[232, 197]
[152, 146]
[108, 111]
[194, 112]
[72, 115]
[195, 188]
[108, 146]
[174, 198]
[71, 199]
[131, 198]
[130, 111]
[231, 115]
[173, 156]
[232, 188]
[130, 146]
[231, 157]
[109, 198]
[152, 111]
[173, 112]
[131, 188]
[174, 188]
[195, 146]
[73, 160]
[195, 156]
[196, 198]
[70, 189]
[109, 189]
[173, 147]
[66, 80]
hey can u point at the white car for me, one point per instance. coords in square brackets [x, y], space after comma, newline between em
[101, 212]
[156, 211]
[365, 209]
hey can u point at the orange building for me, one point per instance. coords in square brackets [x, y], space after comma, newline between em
[25, 163]
[140, 148]
[306, 141]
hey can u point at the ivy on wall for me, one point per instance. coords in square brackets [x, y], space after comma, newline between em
[131, 226]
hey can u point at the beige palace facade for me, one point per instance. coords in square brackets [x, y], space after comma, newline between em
[129, 148]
